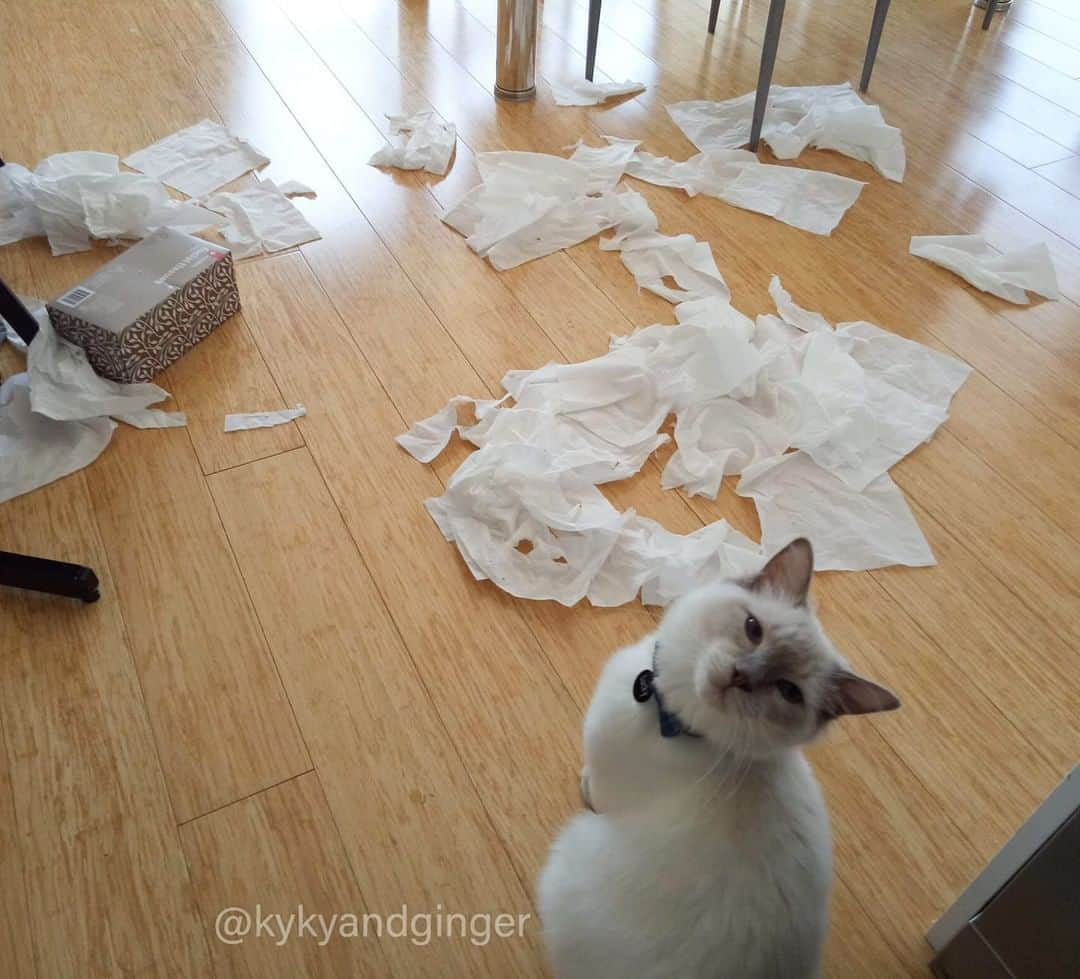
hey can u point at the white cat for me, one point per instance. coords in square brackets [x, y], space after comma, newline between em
[708, 851]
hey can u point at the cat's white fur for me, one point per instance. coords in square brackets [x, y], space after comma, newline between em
[711, 856]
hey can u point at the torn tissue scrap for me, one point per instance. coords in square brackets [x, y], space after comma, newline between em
[851, 401]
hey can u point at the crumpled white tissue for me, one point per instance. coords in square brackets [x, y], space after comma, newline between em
[652, 257]
[536, 531]
[807, 199]
[618, 398]
[829, 117]
[541, 532]
[533, 204]
[199, 159]
[54, 417]
[852, 401]
[708, 355]
[35, 449]
[1005, 275]
[857, 399]
[687, 262]
[428, 144]
[71, 197]
[584, 92]
[851, 530]
[64, 386]
[262, 419]
[261, 219]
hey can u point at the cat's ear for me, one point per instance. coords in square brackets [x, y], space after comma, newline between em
[788, 572]
[849, 693]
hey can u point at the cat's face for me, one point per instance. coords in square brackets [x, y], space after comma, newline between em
[749, 667]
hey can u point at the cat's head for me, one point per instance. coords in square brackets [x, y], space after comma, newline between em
[748, 666]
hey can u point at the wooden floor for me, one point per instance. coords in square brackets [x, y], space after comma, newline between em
[293, 693]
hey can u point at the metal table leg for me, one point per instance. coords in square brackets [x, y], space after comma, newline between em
[515, 52]
[765, 72]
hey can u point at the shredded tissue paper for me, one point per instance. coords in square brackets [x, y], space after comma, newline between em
[199, 159]
[427, 143]
[583, 92]
[73, 197]
[828, 117]
[810, 415]
[58, 416]
[1006, 275]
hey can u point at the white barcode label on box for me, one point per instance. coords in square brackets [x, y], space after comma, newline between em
[75, 296]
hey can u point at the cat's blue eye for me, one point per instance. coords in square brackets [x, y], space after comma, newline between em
[754, 632]
[789, 691]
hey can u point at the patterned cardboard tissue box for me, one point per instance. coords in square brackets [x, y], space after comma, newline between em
[147, 307]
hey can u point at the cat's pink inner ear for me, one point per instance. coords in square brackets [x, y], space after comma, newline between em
[787, 573]
[852, 694]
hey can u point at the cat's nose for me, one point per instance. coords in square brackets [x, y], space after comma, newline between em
[739, 680]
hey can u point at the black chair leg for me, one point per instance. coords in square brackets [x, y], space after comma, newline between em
[18, 316]
[877, 25]
[991, 5]
[52, 577]
[594, 33]
[714, 10]
[765, 72]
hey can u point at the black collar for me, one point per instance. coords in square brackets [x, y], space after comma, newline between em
[645, 689]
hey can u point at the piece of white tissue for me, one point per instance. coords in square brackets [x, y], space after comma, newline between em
[199, 159]
[262, 419]
[1005, 275]
[261, 219]
[829, 117]
[807, 199]
[427, 143]
[584, 92]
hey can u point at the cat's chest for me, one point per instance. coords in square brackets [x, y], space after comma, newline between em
[628, 759]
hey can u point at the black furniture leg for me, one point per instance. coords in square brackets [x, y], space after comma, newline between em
[53, 577]
[765, 72]
[594, 33]
[991, 6]
[12, 309]
[877, 25]
[714, 10]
